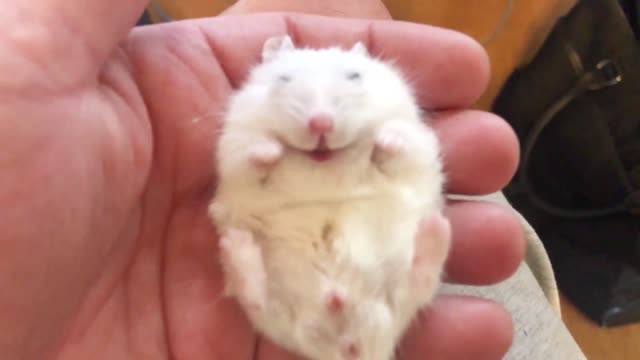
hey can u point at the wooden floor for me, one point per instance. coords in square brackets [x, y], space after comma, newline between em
[619, 343]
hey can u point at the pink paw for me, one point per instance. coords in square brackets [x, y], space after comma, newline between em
[244, 269]
[432, 247]
[433, 238]
[390, 141]
[438, 227]
[265, 153]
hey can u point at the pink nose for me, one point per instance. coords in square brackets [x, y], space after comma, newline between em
[320, 124]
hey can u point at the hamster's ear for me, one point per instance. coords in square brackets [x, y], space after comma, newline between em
[275, 45]
[359, 48]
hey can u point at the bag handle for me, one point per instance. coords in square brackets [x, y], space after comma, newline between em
[606, 73]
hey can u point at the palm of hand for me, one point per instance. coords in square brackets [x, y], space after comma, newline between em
[134, 187]
[118, 173]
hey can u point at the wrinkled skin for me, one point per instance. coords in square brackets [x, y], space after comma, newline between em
[106, 170]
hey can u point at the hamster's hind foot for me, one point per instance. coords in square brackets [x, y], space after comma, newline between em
[245, 274]
[432, 249]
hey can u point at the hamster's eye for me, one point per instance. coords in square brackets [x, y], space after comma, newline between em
[284, 78]
[353, 75]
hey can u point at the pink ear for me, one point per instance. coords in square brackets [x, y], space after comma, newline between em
[274, 45]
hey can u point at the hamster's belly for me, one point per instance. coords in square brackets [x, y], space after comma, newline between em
[361, 236]
[362, 249]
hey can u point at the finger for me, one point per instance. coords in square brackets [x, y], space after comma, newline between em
[487, 242]
[447, 69]
[480, 151]
[434, 59]
[90, 28]
[457, 327]
[267, 350]
[359, 9]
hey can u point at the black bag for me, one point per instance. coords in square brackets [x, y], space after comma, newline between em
[576, 110]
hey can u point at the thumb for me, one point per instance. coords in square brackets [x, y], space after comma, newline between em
[90, 29]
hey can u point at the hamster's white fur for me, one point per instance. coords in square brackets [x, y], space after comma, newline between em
[318, 229]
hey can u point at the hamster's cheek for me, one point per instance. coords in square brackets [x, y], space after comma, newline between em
[298, 139]
[339, 141]
[349, 133]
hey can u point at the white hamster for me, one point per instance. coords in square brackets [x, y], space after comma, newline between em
[325, 171]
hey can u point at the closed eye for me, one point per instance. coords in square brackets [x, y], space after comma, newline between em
[284, 78]
[353, 75]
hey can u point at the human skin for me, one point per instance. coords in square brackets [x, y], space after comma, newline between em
[106, 251]
[369, 9]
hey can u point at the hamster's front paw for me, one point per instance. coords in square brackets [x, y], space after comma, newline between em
[405, 151]
[390, 141]
[265, 153]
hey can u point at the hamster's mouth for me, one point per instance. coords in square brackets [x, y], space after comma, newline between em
[321, 152]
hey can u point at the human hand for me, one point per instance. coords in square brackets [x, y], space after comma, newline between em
[368, 9]
[106, 250]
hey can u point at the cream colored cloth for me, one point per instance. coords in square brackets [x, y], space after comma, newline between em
[531, 296]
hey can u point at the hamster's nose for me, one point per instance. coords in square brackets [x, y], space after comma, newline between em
[320, 124]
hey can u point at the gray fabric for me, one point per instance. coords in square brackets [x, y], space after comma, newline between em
[540, 333]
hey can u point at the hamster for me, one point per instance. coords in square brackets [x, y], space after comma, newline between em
[325, 170]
